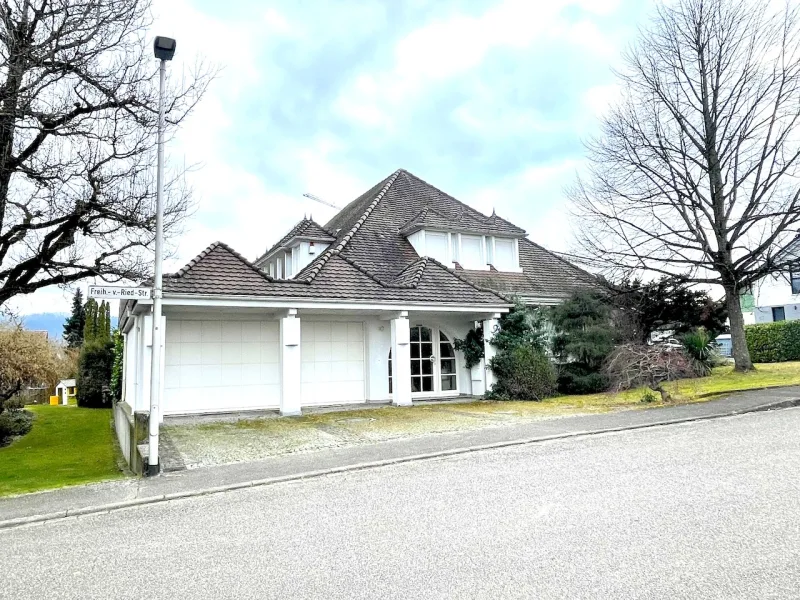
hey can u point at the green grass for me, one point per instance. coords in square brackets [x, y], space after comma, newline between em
[67, 446]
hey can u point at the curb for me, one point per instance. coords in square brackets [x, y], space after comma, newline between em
[114, 506]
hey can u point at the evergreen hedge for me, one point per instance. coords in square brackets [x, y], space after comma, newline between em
[774, 342]
[94, 374]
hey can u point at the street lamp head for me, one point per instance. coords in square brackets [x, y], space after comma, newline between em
[164, 47]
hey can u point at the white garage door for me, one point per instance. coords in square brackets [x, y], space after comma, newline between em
[216, 366]
[332, 356]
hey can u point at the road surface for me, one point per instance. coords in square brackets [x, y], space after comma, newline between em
[703, 510]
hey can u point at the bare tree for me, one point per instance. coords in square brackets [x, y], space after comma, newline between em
[695, 173]
[78, 115]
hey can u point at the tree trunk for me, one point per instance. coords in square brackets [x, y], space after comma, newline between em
[741, 355]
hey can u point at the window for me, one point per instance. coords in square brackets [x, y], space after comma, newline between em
[436, 246]
[272, 269]
[794, 278]
[778, 313]
[472, 251]
[504, 254]
[288, 262]
[456, 255]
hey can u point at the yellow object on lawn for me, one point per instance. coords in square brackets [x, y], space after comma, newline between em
[53, 400]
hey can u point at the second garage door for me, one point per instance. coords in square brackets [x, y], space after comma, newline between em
[332, 356]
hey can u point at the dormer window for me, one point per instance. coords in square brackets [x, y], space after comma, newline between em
[436, 245]
[471, 251]
[504, 258]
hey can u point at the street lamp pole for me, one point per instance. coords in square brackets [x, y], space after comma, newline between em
[164, 50]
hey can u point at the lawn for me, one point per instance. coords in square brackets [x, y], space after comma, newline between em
[67, 446]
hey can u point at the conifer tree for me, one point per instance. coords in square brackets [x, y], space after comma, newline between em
[73, 327]
[90, 324]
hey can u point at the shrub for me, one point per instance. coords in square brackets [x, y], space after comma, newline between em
[700, 350]
[648, 397]
[523, 373]
[116, 368]
[472, 347]
[94, 375]
[585, 335]
[632, 366]
[578, 378]
[14, 423]
[774, 342]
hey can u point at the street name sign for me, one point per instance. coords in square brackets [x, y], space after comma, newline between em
[112, 292]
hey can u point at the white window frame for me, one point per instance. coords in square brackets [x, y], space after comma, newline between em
[514, 258]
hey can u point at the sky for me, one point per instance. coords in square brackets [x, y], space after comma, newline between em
[488, 100]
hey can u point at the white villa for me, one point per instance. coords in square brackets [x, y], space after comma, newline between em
[362, 309]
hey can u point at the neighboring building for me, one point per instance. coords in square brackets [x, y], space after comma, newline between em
[777, 296]
[66, 390]
[363, 309]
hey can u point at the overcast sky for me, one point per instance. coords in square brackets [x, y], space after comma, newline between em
[488, 100]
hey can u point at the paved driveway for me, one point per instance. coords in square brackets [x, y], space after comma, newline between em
[701, 510]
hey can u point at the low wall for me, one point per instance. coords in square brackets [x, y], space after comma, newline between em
[131, 430]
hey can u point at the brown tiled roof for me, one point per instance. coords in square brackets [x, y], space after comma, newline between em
[220, 271]
[305, 229]
[370, 258]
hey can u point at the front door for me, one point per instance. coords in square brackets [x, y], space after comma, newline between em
[433, 362]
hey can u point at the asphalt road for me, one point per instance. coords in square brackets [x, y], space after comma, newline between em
[704, 510]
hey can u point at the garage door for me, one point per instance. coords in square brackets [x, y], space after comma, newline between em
[216, 366]
[332, 357]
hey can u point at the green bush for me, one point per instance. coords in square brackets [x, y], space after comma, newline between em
[472, 347]
[523, 373]
[774, 342]
[700, 350]
[578, 378]
[14, 423]
[116, 369]
[648, 396]
[94, 375]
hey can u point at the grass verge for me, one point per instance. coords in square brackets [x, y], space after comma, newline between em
[67, 446]
[380, 423]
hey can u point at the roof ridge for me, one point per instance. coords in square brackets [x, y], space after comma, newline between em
[468, 282]
[365, 271]
[297, 229]
[317, 265]
[420, 270]
[185, 269]
[213, 246]
[246, 262]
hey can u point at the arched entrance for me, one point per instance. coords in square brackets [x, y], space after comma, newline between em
[433, 362]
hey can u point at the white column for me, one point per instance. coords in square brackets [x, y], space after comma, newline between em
[401, 361]
[489, 329]
[290, 364]
[163, 358]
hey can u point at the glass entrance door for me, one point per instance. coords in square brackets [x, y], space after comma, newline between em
[422, 360]
[433, 362]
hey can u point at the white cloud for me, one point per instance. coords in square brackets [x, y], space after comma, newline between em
[434, 53]
[534, 199]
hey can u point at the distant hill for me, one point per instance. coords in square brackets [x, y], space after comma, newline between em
[52, 323]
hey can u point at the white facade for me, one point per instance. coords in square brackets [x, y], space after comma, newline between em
[285, 263]
[777, 298]
[474, 252]
[237, 358]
